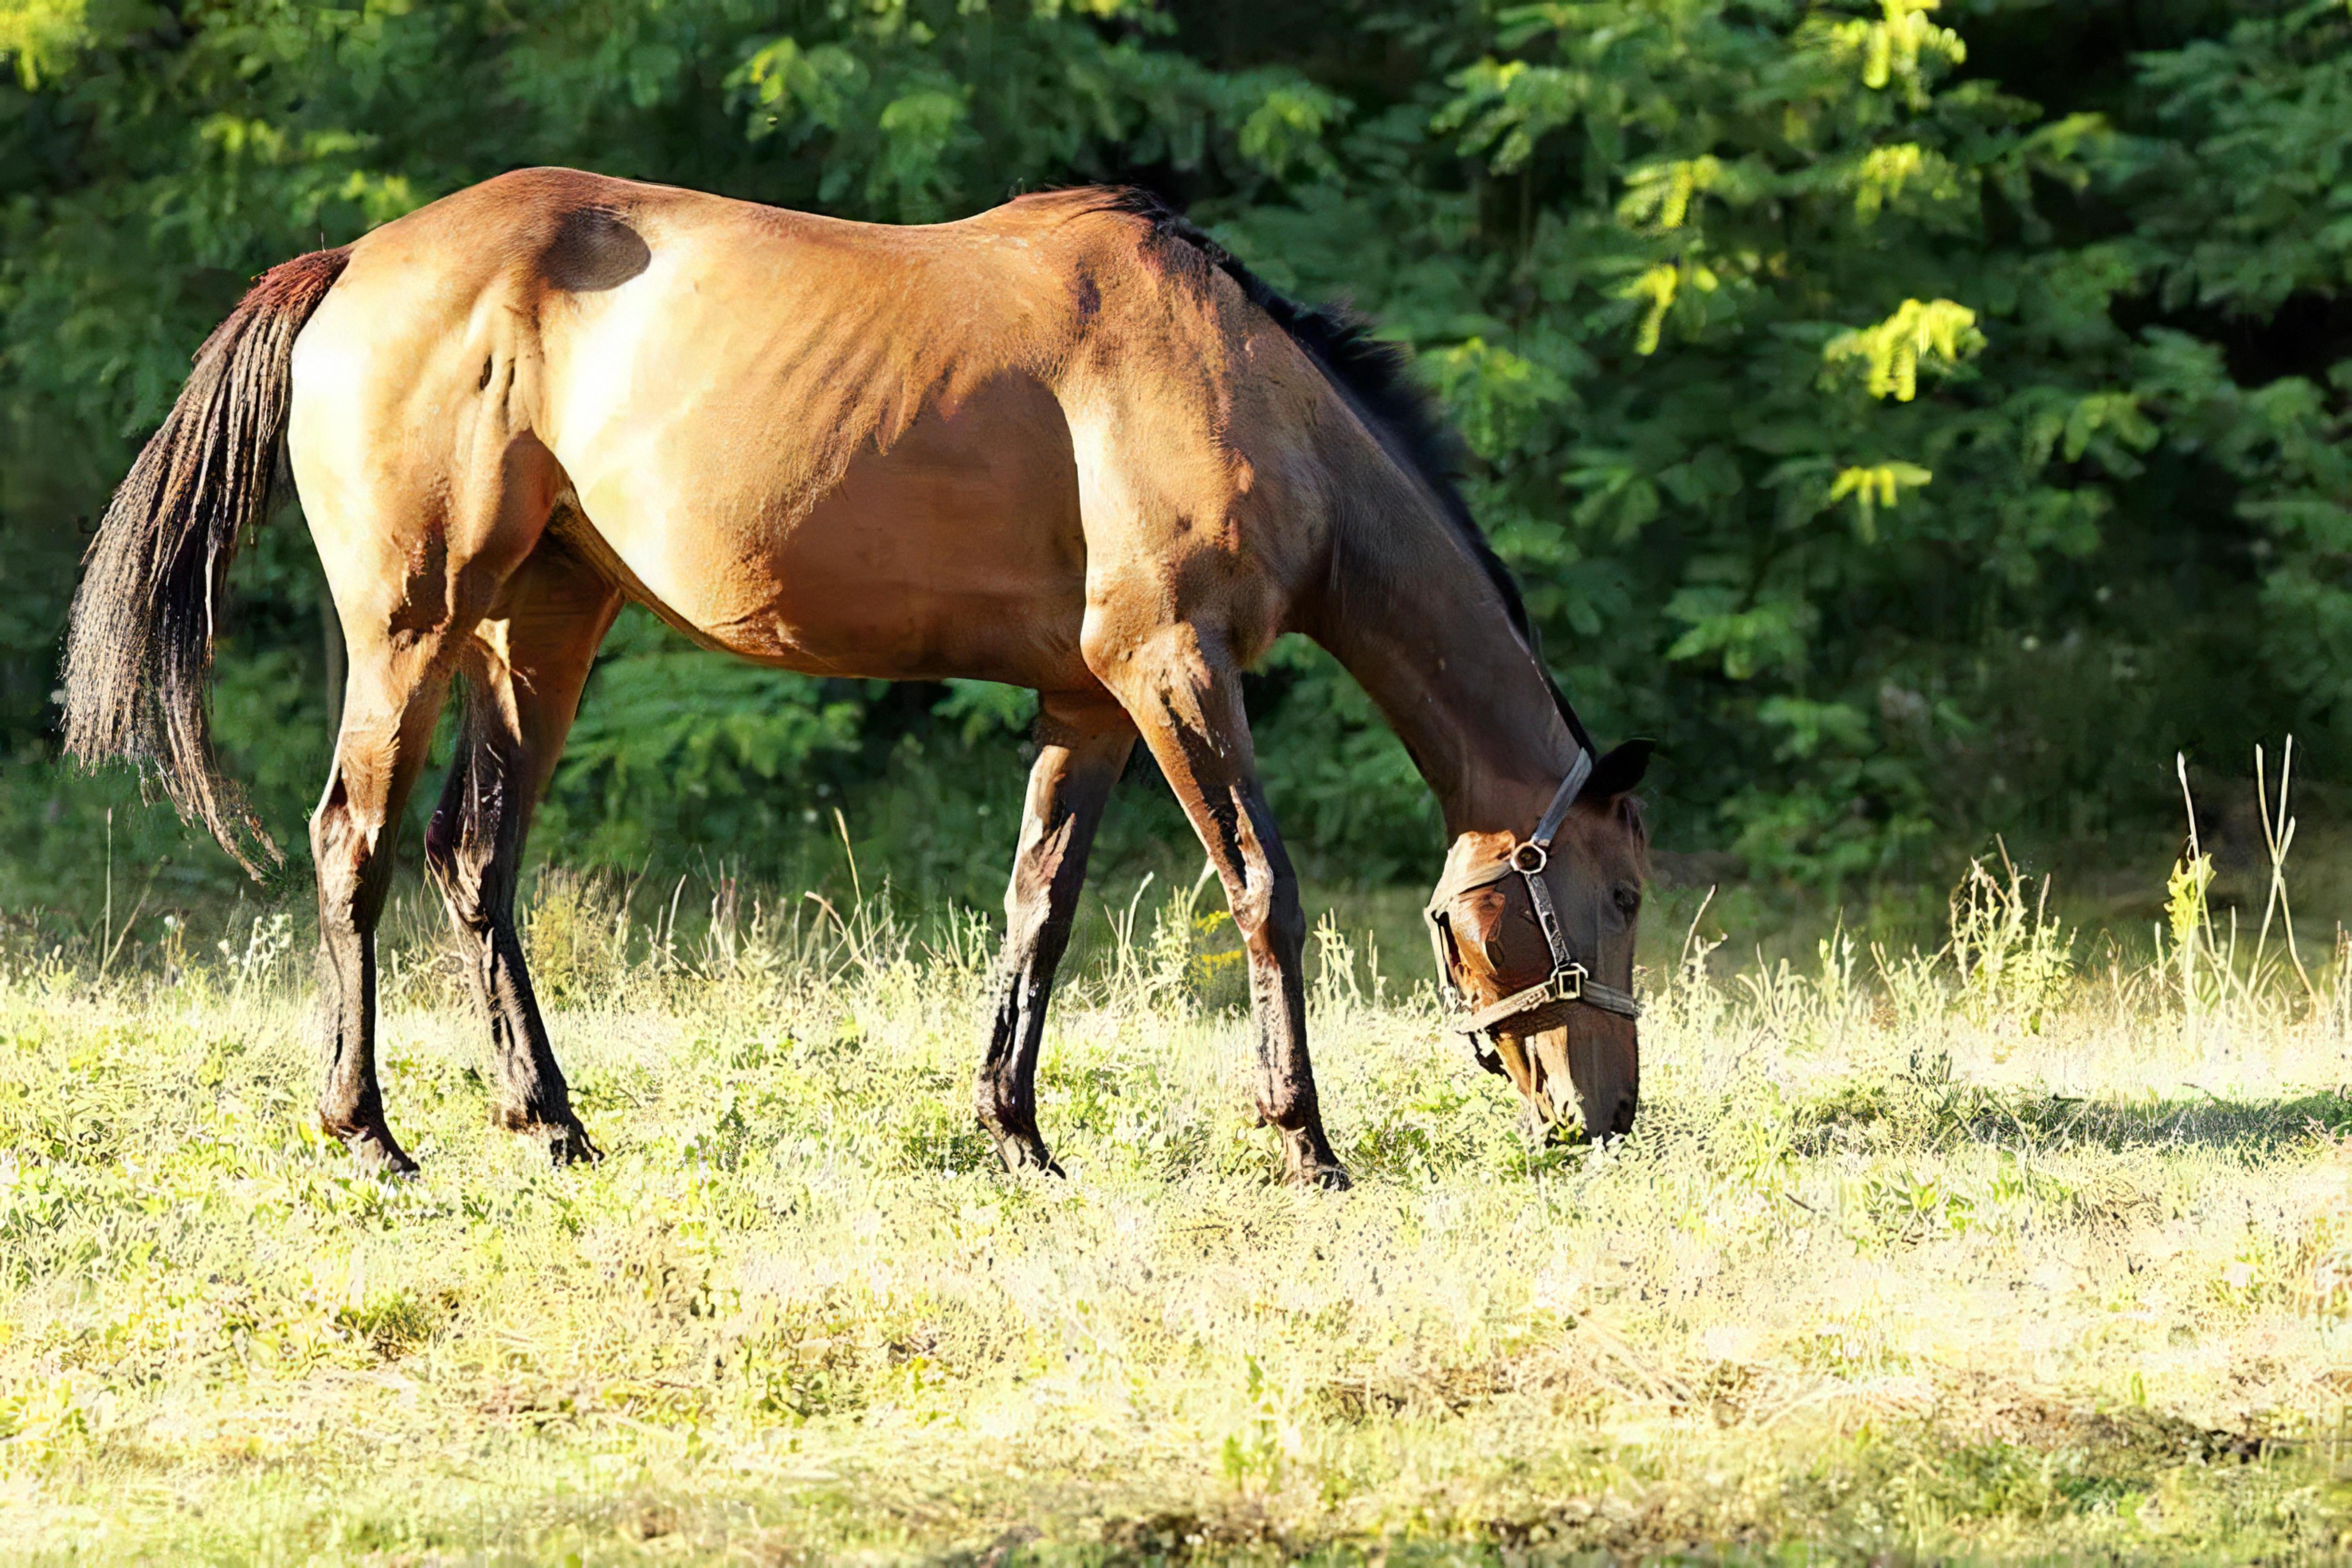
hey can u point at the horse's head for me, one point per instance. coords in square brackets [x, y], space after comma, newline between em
[1553, 1009]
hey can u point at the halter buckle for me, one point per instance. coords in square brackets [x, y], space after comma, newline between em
[1530, 858]
[1568, 983]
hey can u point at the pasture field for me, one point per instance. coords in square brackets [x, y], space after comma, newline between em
[2023, 1250]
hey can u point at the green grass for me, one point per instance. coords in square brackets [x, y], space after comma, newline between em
[1899, 1265]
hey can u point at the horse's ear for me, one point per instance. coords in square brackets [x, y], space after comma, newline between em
[1618, 772]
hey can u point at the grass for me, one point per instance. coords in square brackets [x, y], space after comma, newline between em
[2008, 1251]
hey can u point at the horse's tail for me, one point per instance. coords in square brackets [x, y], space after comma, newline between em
[141, 647]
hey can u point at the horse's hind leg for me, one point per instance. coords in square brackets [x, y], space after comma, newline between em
[1082, 749]
[392, 697]
[524, 668]
[416, 551]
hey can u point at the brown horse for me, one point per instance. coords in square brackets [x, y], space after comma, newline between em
[1068, 443]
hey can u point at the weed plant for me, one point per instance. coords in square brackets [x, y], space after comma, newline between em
[2015, 1248]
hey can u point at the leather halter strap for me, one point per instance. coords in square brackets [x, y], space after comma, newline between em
[1579, 772]
[1568, 980]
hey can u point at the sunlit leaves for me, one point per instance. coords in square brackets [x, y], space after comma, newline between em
[38, 37]
[1872, 487]
[1658, 289]
[1882, 172]
[1937, 333]
[919, 128]
[1897, 48]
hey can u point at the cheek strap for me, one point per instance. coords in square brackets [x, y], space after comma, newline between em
[1568, 980]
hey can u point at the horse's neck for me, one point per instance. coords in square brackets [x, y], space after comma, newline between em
[1416, 619]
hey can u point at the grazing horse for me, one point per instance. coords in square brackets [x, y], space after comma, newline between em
[1069, 444]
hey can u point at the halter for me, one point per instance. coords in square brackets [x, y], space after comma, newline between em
[1568, 980]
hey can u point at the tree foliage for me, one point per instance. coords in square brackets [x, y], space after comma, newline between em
[1915, 454]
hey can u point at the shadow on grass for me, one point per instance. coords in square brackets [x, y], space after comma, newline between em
[1911, 1492]
[1942, 1114]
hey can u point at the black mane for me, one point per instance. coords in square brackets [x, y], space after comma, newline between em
[1377, 377]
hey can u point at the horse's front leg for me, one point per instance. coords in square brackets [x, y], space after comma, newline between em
[1183, 689]
[1082, 749]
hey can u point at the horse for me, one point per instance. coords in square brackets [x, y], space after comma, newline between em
[1069, 444]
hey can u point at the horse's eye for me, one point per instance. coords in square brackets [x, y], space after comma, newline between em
[1629, 899]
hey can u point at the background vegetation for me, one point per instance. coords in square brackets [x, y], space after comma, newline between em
[1925, 419]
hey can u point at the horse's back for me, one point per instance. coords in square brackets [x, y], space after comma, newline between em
[848, 448]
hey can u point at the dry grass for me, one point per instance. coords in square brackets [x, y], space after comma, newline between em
[1986, 1253]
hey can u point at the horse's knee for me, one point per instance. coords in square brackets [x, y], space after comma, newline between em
[1268, 915]
[340, 850]
[1108, 644]
[1266, 906]
[1146, 660]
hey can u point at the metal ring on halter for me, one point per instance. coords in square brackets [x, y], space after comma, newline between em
[1521, 863]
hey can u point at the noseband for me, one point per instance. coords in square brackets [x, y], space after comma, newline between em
[1568, 980]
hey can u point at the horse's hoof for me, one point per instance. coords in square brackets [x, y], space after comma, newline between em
[568, 1144]
[567, 1141]
[1330, 1177]
[375, 1151]
[1024, 1154]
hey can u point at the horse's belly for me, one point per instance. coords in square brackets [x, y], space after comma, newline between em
[917, 568]
[956, 551]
